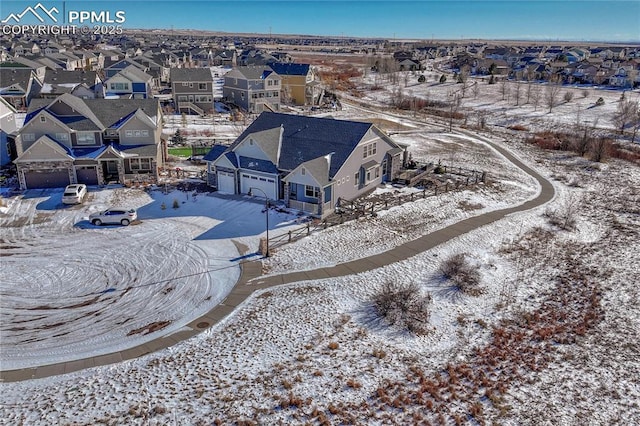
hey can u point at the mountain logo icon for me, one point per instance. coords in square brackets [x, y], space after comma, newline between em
[38, 11]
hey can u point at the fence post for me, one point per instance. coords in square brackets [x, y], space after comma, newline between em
[484, 175]
[386, 204]
[467, 180]
[435, 189]
[324, 224]
[446, 186]
[289, 236]
[308, 229]
[412, 196]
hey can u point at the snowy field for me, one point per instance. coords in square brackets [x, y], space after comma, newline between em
[550, 339]
[72, 290]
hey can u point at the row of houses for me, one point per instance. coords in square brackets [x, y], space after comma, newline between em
[307, 163]
[192, 90]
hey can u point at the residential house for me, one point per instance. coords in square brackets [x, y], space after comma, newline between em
[83, 84]
[8, 127]
[299, 86]
[253, 89]
[113, 68]
[18, 86]
[92, 141]
[225, 57]
[129, 83]
[309, 163]
[192, 90]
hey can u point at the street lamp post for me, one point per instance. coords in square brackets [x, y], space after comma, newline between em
[266, 204]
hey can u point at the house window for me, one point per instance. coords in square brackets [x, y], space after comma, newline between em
[185, 84]
[275, 94]
[140, 163]
[369, 150]
[128, 133]
[62, 136]
[136, 133]
[311, 191]
[303, 171]
[241, 95]
[182, 98]
[191, 85]
[43, 119]
[119, 86]
[293, 190]
[28, 137]
[275, 82]
[356, 179]
[86, 138]
[202, 86]
[377, 172]
[203, 99]
[144, 133]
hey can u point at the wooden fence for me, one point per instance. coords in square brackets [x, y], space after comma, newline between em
[350, 210]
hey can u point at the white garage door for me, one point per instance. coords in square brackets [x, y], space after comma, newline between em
[226, 183]
[267, 185]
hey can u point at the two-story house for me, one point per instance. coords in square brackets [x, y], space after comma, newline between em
[8, 127]
[92, 141]
[298, 83]
[129, 83]
[83, 84]
[18, 86]
[192, 90]
[309, 163]
[253, 89]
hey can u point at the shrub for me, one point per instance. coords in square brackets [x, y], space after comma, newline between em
[403, 306]
[464, 276]
[176, 204]
[568, 96]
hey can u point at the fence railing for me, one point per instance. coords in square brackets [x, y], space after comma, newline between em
[349, 210]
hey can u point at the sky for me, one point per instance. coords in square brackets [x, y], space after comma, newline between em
[423, 19]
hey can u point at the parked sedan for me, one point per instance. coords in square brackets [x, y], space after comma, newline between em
[114, 216]
[74, 194]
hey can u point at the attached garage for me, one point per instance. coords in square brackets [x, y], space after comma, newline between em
[46, 179]
[87, 175]
[226, 182]
[267, 184]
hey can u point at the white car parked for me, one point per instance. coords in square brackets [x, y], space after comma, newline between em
[74, 194]
[114, 215]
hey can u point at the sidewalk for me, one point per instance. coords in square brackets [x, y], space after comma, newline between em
[251, 271]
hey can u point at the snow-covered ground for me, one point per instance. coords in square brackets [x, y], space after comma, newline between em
[71, 290]
[312, 352]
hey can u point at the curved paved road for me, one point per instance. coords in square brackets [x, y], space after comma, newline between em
[251, 271]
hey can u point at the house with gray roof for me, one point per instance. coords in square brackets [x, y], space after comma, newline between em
[129, 83]
[253, 89]
[93, 141]
[308, 163]
[192, 90]
[83, 84]
[18, 86]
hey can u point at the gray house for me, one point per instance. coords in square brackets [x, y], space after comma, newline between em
[18, 86]
[8, 126]
[83, 84]
[92, 141]
[253, 89]
[309, 163]
[192, 90]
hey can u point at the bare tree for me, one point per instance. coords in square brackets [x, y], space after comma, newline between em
[551, 94]
[636, 126]
[504, 88]
[535, 96]
[517, 91]
[625, 113]
[585, 140]
[475, 89]
[454, 105]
